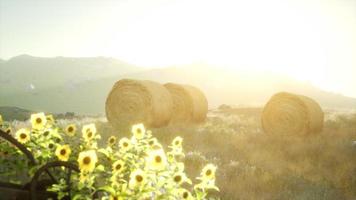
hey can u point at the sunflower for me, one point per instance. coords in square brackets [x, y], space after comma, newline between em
[177, 142]
[23, 135]
[184, 194]
[63, 152]
[180, 178]
[84, 176]
[50, 119]
[156, 160]
[112, 141]
[87, 160]
[8, 130]
[138, 131]
[71, 129]
[125, 144]
[137, 178]
[208, 172]
[118, 166]
[38, 121]
[89, 132]
[114, 197]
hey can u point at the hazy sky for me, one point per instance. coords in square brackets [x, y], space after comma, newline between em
[313, 40]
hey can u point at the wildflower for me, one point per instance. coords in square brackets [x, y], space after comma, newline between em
[38, 121]
[87, 160]
[137, 178]
[112, 140]
[23, 135]
[71, 129]
[208, 172]
[125, 144]
[138, 131]
[63, 152]
[152, 142]
[88, 132]
[118, 166]
[156, 160]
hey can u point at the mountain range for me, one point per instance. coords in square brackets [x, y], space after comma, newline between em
[63, 84]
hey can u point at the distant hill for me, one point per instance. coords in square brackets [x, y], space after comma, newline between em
[14, 113]
[87, 95]
[27, 73]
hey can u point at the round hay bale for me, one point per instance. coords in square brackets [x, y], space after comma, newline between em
[183, 105]
[138, 101]
[200, 104]
[189, 103]
[292, 114]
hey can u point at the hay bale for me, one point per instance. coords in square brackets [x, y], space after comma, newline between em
[138, 101]
[292, 114]
[189, 103]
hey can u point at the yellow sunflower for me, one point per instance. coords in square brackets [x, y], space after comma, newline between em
[180, 178]
[89, 132]
[23, 135]
[112, 141]
[115, 198]
[50, 119]
[208, 172]
[177, 142]
[184, 194]
[137, 179]
[118, 166]
[125, 144]
[8, 130]
[138, 131]
[38, 121]
[71, 129]
[63, 152]
[87, 160]
[156, 160]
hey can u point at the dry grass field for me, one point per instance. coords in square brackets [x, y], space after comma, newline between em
[253, 165]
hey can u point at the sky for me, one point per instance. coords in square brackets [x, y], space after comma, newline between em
[310, 40]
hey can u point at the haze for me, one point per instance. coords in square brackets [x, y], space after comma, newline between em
[310, 40]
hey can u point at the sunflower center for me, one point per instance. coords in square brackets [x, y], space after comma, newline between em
[158, 159]
[46, 133]
[86, 160]
[151, 143]
[38, 120]
[118, 166]
[177, 143]
[126, 144]
[63, 152]
[185, 195]
[112, 140]
[50, 146]
[208, 172]
[139, 178]
[177, 178]
[139, 131]
[23, 135]
[90, 134]
[115, 198]
[70, 129]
